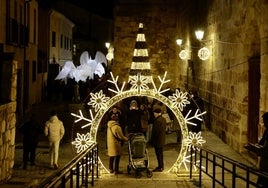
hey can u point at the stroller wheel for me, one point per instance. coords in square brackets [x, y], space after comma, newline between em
[149, 174]
[138, 174]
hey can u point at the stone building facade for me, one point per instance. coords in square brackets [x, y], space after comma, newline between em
[232, 82]
[8, 120]
[24, 61]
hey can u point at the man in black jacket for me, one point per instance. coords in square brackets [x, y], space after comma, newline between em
[158, 138]
[31, 131]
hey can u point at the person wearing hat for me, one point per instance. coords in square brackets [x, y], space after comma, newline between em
[116, 110]
[114, 138]
[158, 138]
[262, 182]
[133, 119]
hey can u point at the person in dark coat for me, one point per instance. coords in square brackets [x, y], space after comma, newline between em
[133, 118]
[198, 104]
[144, 119]
[262, 182]
[261, 149]
[158, 138]
[31, 131]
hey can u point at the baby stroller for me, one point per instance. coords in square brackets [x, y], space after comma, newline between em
[138, 155]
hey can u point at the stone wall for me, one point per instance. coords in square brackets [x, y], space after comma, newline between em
[8, 129]
[235, 31]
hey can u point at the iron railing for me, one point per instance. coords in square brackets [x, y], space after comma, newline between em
[77, 172]
[222, 170]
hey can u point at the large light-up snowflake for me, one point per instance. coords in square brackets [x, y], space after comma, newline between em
[179, 99]
[82, 142]
[194, 140]
[140, 87]
[98, 100]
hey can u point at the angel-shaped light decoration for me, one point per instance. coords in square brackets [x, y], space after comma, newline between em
[86, 70]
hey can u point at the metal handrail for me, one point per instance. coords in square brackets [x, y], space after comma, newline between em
[76, 172]
[223, 171]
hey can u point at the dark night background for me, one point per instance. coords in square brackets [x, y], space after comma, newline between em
[103, 8]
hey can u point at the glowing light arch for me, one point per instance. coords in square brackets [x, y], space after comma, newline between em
[160, 97]
[175, 103]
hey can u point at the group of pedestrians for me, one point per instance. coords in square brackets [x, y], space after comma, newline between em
[146, 118]
[139, 117]
[31, 130]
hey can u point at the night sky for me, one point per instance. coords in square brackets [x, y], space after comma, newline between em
[103, 8]
[100, 7]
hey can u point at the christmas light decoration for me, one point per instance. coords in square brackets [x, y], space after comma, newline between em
[142, 84]
[176, 102]
[179, 99]
[82, 142]
[183, 54]
[194, 140]
[204, 53]
[140, 61]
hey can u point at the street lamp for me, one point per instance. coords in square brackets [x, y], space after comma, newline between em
[107, 44]
[179, 42]
[199, 34]
[110, 54]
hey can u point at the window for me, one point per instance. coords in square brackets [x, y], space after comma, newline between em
[53, 39]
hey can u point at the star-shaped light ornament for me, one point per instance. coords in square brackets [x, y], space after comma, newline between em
[82, 142]
[139, 82]
[179, 99]
[98, 100]
[194, 140]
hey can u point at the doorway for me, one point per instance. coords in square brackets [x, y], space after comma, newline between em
[253, 98]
